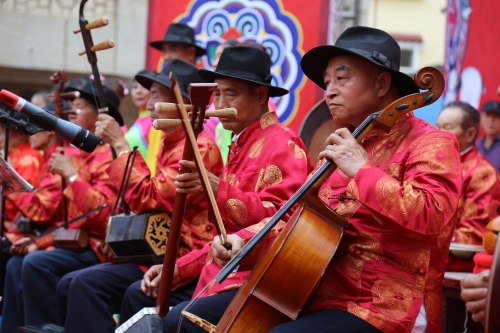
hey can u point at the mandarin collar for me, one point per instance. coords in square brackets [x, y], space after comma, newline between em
[174, 137]
[468, 153]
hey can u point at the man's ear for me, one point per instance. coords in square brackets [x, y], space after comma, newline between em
[262, 94]
[383, 83]
[470, 135]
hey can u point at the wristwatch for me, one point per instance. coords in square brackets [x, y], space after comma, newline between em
[123, 152]
[72, 178]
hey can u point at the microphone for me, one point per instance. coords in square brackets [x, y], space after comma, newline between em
[70, 132]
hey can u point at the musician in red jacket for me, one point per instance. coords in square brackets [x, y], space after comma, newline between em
[267, 162]
[399, 192]
[22, 157]
[103, 286]
[33, 273]
[481, 184]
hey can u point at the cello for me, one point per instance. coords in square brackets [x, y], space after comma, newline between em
[304, 248]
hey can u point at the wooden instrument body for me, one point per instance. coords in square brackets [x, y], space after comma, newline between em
[138, 238]
[492, 322]
[298, 257]
[71, 239]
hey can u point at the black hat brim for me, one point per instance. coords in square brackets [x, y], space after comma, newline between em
[210, 76]
[147, 81]
[316, 60]
[158, 45]
[91, 97]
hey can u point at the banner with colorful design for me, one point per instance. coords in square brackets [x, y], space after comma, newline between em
[287, 29]
[472, 69]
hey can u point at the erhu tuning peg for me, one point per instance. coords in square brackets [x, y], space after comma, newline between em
[107, 44]
[93, 25]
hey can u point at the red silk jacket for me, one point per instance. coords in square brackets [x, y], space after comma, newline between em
[480, 198]
[89, 190]
[28, 163]
[401, 210]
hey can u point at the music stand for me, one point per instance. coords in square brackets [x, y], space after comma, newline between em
[10, 182]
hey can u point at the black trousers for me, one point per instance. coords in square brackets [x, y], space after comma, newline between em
[30, 286]
[135, 300]
[92, 295]
[334, 321]
[213, 307]
[209, 308]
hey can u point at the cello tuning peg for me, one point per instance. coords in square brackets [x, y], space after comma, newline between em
[107, 44]
[103, 21]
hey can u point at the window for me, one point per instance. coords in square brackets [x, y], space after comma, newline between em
[410, 52]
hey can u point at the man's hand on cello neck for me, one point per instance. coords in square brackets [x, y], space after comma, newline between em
[345, 151]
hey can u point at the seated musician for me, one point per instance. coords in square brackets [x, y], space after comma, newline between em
[178, 43]
[22, 157]
[267, 163]
[399, 192]
[39, 142]
[32, 274]
[481, 184]
[103, 286]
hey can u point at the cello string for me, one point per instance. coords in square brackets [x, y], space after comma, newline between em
[192, 303]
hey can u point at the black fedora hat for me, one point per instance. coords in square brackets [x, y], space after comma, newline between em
[179, 33]
[89, 92]
[372, 44]
[185, 72]
[244, 63]
[51, 106]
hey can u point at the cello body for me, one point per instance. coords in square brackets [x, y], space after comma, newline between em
[301, 253]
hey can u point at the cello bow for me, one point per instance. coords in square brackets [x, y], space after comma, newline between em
[314, 231]
[199, 94]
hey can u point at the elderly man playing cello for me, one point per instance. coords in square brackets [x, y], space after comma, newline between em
[399, 192]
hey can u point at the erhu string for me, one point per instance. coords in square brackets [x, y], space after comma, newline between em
[86, 64]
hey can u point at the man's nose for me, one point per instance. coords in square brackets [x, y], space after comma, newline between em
[331, 92]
